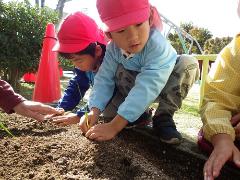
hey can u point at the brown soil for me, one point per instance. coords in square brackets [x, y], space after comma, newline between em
[44, 151]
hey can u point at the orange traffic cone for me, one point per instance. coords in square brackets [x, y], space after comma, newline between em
[47, 85]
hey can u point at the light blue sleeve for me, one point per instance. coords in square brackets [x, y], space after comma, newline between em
[158, 60]
[104, 82]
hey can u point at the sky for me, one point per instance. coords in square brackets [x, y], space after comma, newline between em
[218, 16]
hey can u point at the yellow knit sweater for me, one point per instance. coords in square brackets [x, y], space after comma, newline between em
[222, 92]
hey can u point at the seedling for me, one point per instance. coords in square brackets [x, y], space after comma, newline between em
[4, 128]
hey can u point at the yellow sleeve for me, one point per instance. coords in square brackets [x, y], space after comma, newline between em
[222, 92]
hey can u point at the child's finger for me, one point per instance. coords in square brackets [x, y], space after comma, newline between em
[51, 116]
[235, 119]
[217, 166]
[82, 126]
[92, 136]
[208, 168]
[89, 132]
[236, 157]
[100, 138]
[237, 130]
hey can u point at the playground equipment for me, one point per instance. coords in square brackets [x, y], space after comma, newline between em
[183, 36]
[205, 67]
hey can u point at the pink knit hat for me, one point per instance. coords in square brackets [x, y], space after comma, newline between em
[76, 32]
[117, 14]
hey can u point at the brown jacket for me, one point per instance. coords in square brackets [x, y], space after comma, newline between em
[8, 98]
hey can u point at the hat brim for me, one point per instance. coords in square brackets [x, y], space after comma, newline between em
[125, 20]
[70, 48]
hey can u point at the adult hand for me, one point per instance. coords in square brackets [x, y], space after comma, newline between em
[66, 119]
[36, 110]
[224, 150]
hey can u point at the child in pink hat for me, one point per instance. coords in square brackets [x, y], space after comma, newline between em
[84, 44]
[220, 112]
[143, 66]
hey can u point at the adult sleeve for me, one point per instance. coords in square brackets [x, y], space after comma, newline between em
[8, 98]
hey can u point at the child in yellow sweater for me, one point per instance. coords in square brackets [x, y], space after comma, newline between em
[220, 111]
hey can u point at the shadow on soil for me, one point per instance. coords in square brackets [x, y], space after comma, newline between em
[186, 155]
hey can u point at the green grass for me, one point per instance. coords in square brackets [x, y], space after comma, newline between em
[190, 105]
[189, 109]
[26, 90]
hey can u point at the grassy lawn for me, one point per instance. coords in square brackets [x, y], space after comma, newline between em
[187, 119]
[190, 107]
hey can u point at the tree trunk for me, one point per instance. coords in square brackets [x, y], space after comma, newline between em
[60, 6]
[42, 3]
[14, 79]
[37, 3]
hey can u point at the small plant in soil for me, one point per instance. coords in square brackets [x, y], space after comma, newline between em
[4, 128]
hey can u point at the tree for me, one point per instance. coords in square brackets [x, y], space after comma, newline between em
[200, 34]
[60, 6]
[22, 29]
[214, 46]
[187, 26]
[42, 3]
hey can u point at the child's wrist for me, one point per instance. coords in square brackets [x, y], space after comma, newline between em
[119, 123]
[219, 139]
[95, 111]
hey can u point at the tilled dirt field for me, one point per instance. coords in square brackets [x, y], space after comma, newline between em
[47, 152]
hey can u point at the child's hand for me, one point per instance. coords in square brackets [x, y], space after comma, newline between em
[88, 121]
[236, 124]
[102, 132]
[224, 150]
[66, 119]
[107, 131]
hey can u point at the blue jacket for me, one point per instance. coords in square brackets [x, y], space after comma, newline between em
[76, 90]
[154, 64]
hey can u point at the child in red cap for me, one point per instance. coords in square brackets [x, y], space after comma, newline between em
[83, 43]
[143, 66]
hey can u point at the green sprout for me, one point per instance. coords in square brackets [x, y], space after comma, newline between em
[4, 128]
